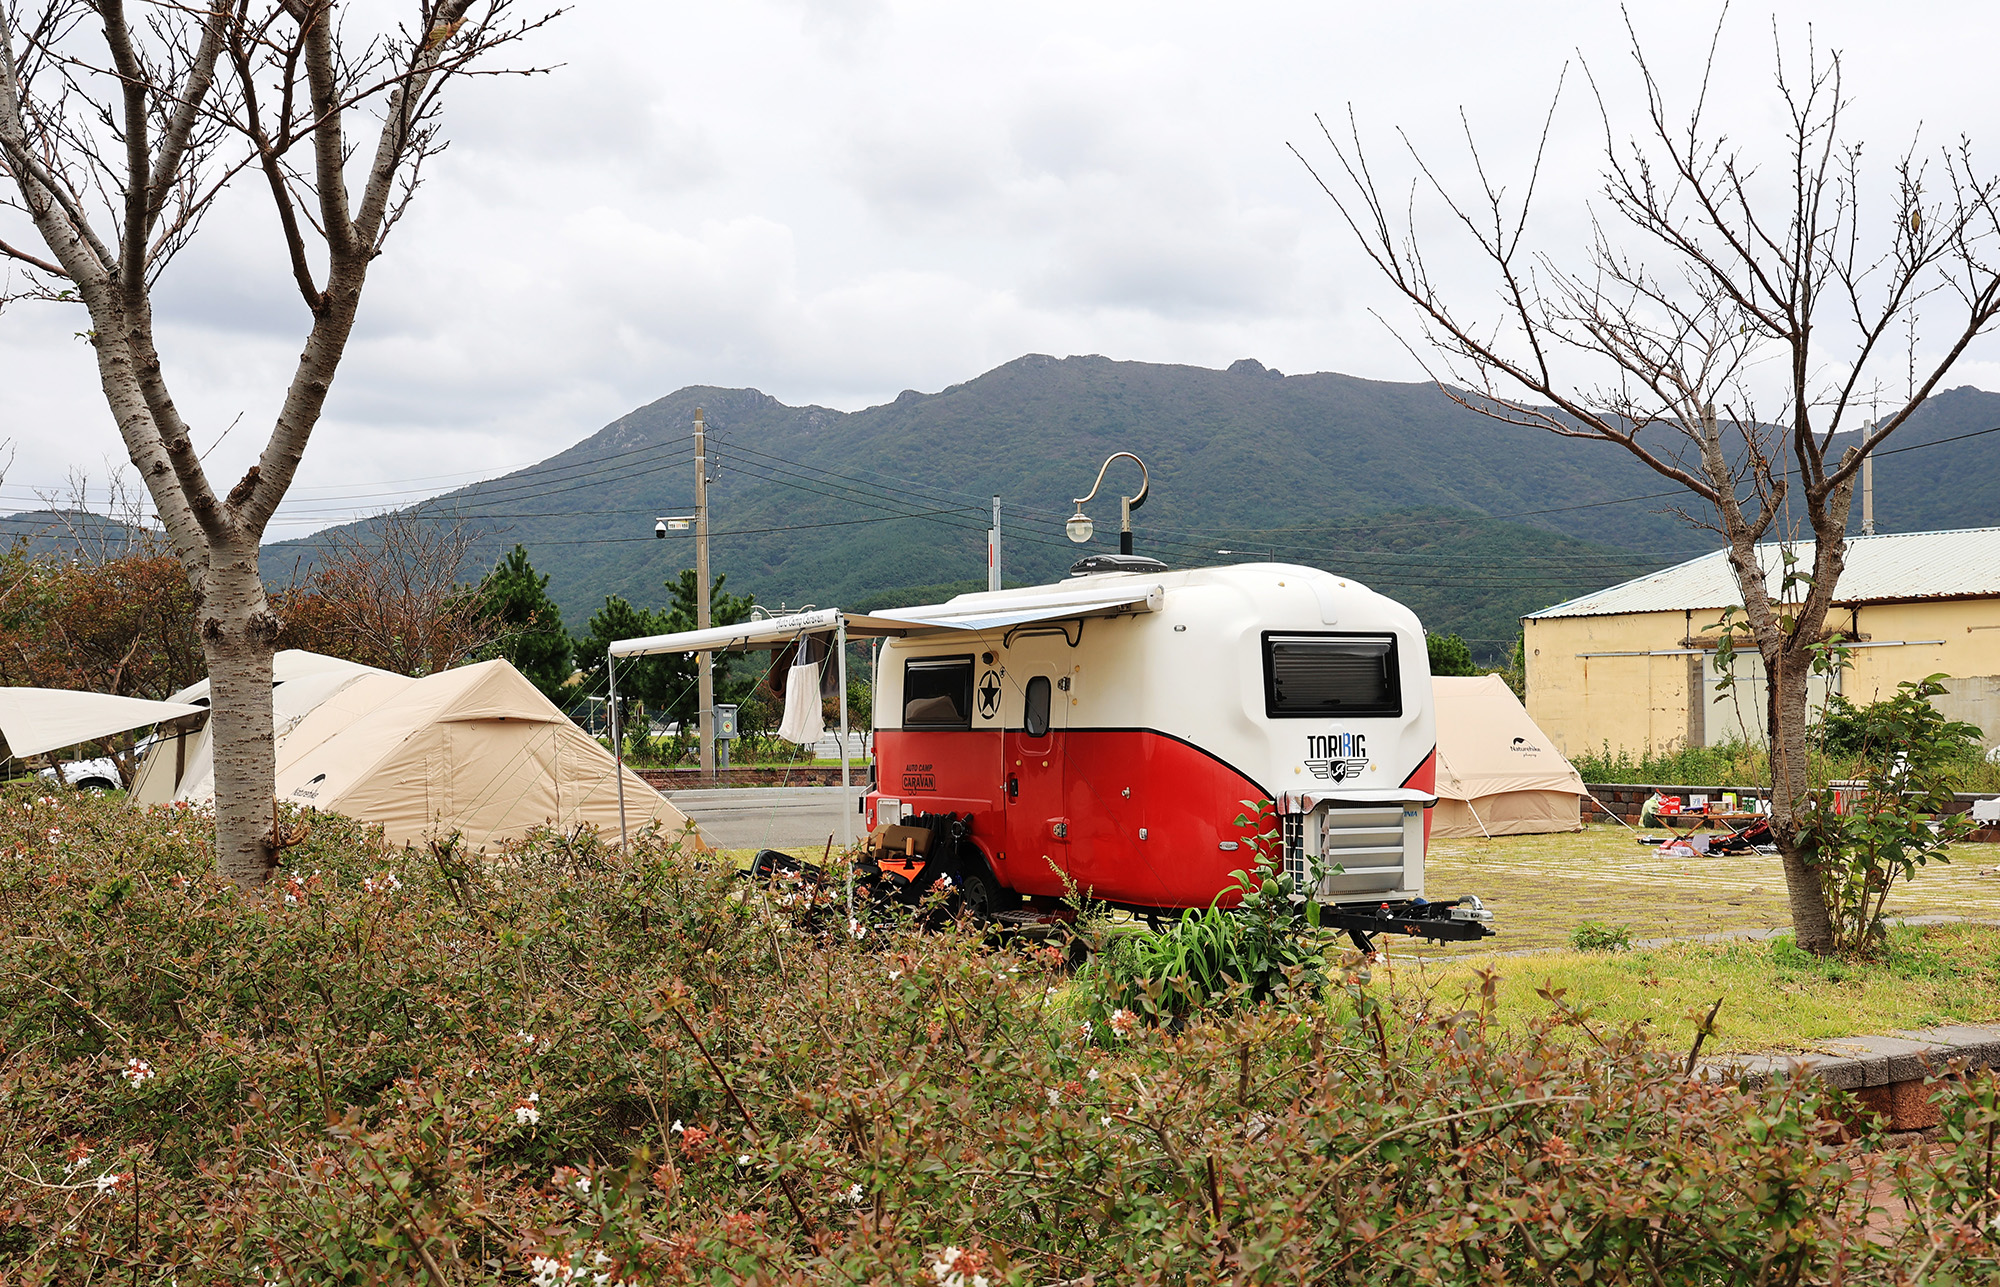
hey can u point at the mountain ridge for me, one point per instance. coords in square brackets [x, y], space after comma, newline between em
[1392, 483]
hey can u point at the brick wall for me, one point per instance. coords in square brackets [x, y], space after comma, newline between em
[667, 780]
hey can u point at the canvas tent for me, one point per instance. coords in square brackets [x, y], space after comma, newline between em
[1498, 774]
[182, 768]
[476, 750]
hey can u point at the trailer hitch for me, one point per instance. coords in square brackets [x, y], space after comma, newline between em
[1464, 920]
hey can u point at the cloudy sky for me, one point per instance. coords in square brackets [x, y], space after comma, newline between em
[835, 200]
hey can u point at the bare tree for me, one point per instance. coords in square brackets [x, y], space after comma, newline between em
[388, 595]
[118, 133]
[1711, 277]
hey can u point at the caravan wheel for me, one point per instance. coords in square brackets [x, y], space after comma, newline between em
[979, 893]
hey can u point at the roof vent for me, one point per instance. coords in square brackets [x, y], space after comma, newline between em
[1115, 563]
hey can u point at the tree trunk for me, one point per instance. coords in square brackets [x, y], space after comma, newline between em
[238, 632]
[1786, 713]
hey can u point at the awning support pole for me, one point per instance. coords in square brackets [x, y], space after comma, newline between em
[846, 819]
[617, 742]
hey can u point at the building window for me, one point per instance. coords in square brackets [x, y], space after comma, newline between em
[1327, 674]
[937, 692]
[1035, 720]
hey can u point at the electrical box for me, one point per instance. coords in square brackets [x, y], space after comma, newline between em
[725, 722]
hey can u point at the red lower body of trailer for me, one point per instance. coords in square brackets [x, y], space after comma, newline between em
[1131, 816]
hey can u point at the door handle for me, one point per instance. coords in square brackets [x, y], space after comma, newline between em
[1013, 788]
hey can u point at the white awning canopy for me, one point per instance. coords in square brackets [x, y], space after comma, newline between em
[993, 610]
[744, 634]
[44, 719]
[996, 610]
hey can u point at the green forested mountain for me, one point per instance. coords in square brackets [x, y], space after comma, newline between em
[1470, 521]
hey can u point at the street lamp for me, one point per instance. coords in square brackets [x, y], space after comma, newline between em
[1080, 528]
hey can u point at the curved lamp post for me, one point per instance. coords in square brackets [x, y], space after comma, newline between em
[1079, 526]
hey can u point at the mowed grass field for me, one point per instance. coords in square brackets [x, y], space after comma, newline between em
[1774, 999]
[1540, 887]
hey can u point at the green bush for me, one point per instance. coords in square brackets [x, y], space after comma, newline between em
[1596, 936]
[1449, 654]
[558, 1061]
[1885, 832]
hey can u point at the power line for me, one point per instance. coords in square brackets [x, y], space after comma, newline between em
[741, 531]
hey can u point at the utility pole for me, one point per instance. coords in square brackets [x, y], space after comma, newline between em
[1867, 482]
[993, 549]
[706, 718]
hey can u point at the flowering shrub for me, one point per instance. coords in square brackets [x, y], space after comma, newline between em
[563, 1064]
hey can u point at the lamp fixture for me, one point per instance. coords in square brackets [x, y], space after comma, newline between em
[1079, 526]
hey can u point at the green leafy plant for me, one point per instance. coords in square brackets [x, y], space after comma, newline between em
[1861, 838]
[1258, 939]
[1597, 936]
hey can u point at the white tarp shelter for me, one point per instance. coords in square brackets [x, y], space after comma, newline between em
[477, 750]
[35, 720]
[1498, 774]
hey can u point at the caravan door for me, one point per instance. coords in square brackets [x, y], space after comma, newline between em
[1037, 832]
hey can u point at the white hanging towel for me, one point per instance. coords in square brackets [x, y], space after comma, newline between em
[803, 723]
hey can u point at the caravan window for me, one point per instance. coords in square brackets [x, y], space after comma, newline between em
[937, 692]
[1328, 674]
[1035, 721]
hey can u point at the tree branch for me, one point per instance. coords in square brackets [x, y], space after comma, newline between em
[33, 261]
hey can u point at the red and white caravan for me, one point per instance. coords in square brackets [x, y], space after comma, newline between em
[1106, 732]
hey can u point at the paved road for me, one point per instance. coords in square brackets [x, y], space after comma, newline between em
[769, 817]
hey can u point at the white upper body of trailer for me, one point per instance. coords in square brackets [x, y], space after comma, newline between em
[1181, 652]
[1176, 651]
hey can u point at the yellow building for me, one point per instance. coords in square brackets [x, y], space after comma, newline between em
[1633, 667]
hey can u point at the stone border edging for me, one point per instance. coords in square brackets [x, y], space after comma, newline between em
[1889, 1074]
[1852, 1063]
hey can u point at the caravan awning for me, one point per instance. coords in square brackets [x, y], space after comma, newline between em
[744, 634]
[993, 610]
[996, 610]
[45, 719]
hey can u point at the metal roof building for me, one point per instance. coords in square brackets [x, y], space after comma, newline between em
[1897, 567]
[1633, 666]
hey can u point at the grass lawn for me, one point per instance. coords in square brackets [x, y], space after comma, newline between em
[1540, 887]
[1775, 997]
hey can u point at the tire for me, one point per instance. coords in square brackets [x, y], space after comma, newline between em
[980, 895]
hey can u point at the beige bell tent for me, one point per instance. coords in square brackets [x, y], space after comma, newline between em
[182, 768]
[477, 750]
[1497, 773]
